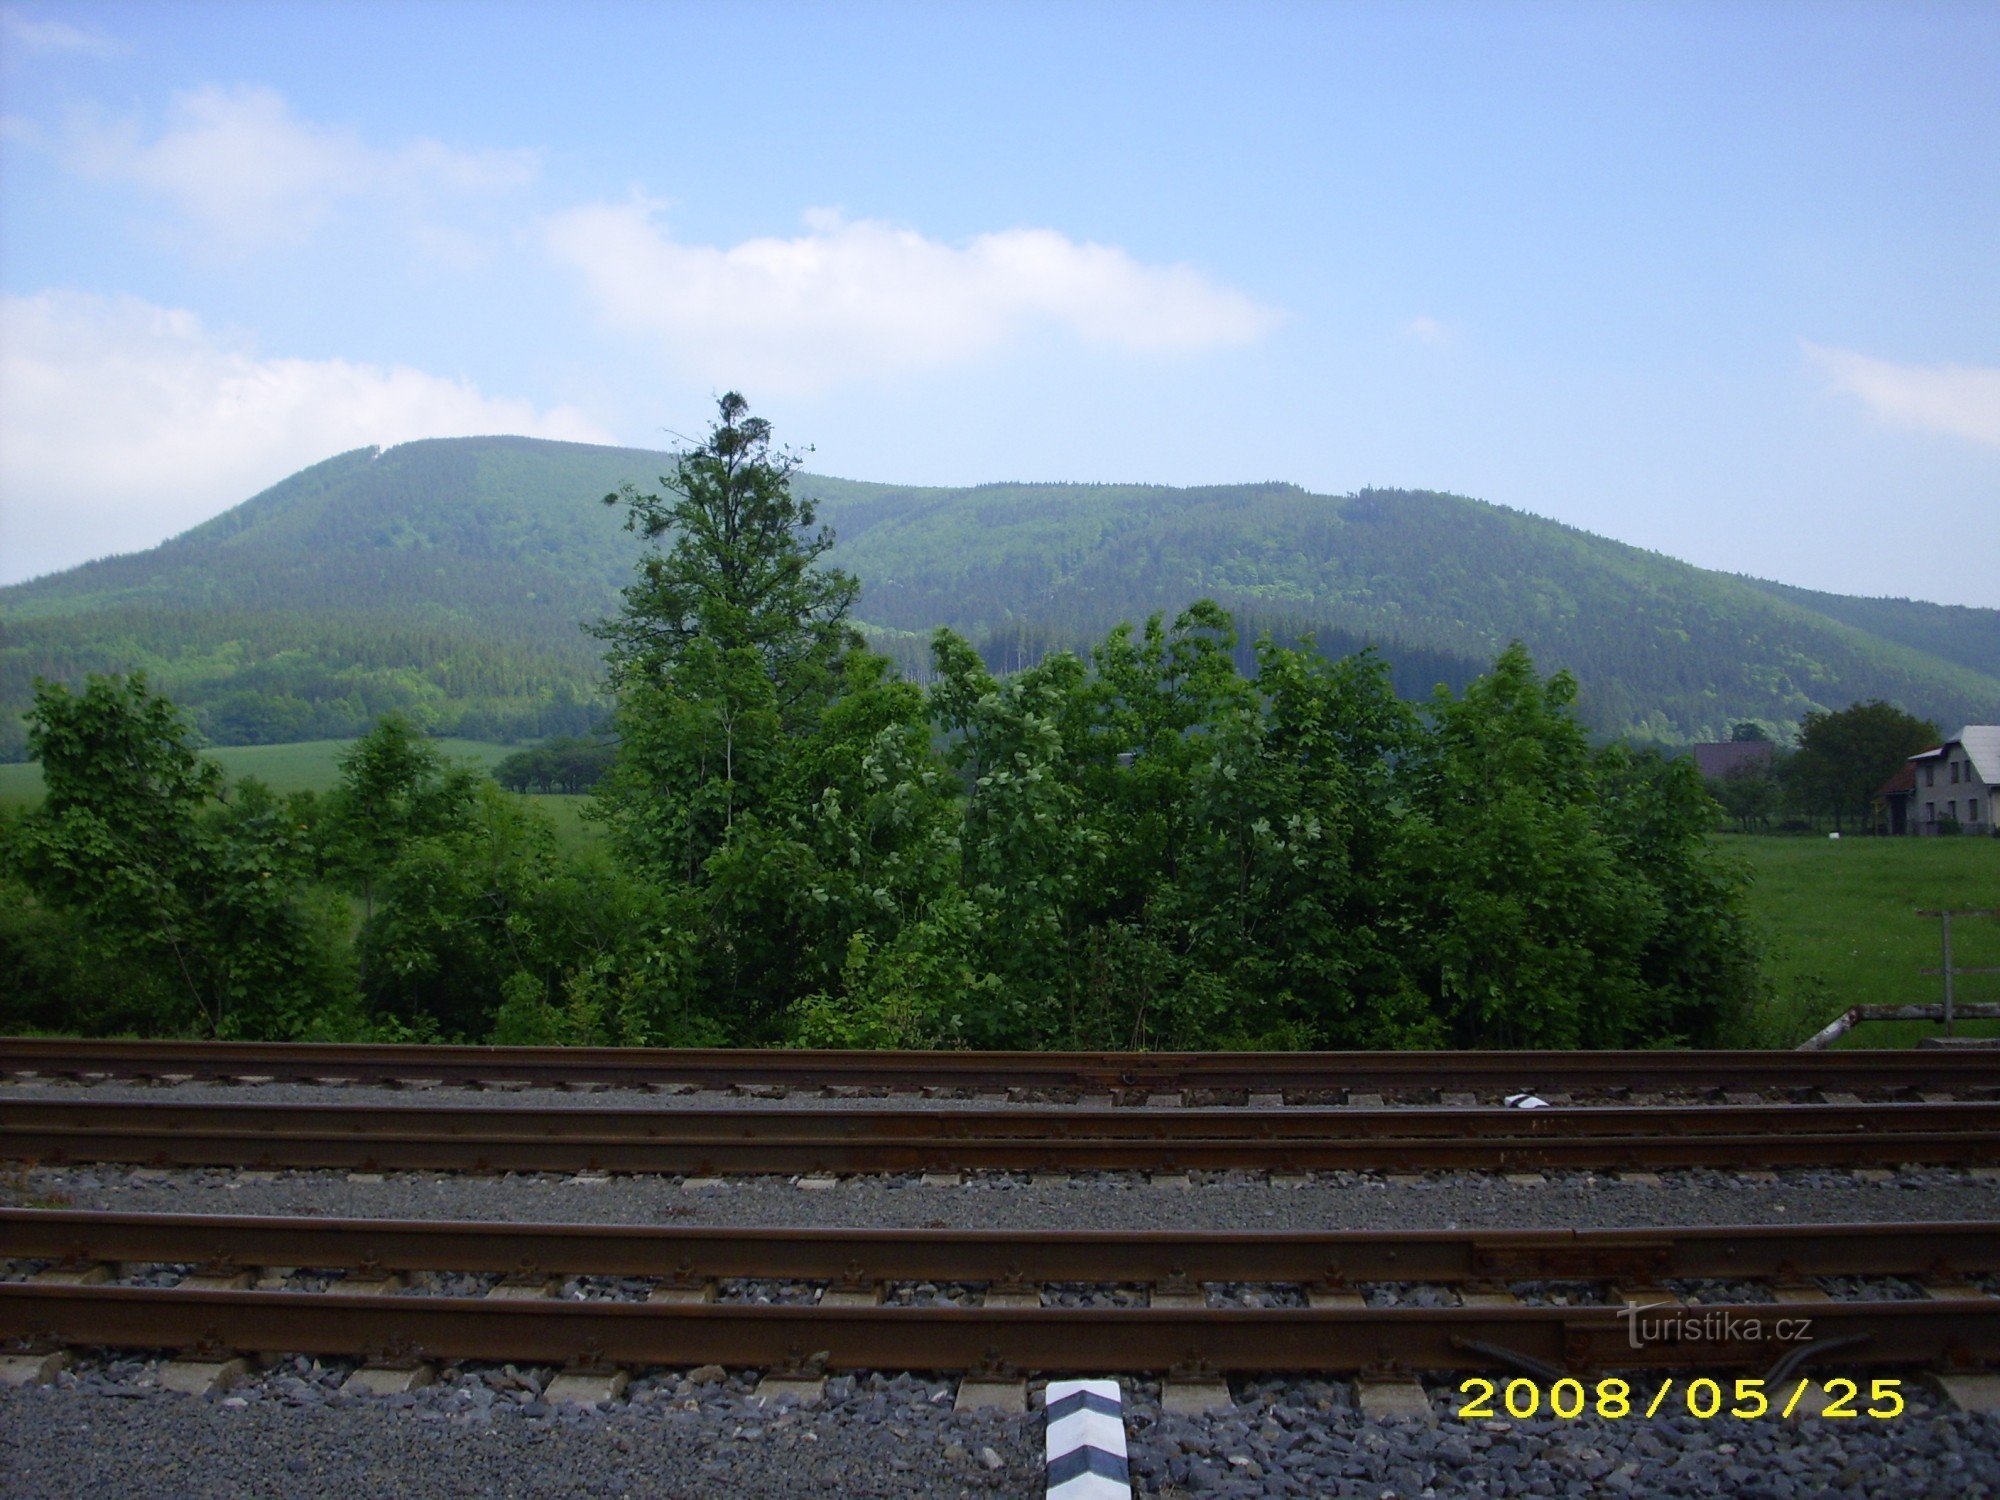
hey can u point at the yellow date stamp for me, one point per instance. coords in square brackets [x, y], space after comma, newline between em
[1703, 1398]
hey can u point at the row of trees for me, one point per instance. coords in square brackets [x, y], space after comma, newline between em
[254, 677]
[568, 763]
[414, 900]
[1151, 848]
[1841, 760]
[1163, 845]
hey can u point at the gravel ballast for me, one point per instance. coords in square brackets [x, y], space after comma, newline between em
[290, 1431]
[1306, 1438]
[1334, 1200]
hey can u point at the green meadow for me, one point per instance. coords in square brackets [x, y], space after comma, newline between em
[1840, 926]
[314, 766]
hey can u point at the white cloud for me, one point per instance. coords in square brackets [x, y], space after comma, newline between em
[1427, 330]
[249, 174]
[856, 297]
[38, 36]
[1963, 400]
[126, 423]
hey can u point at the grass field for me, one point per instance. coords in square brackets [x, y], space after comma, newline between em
[572, 832]
[314, 766]
[1838, 918]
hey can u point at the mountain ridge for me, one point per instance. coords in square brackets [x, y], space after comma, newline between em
[450, 577]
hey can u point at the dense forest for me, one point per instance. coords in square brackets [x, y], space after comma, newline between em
[1162, 843]
[450, 581]
[1664, 650]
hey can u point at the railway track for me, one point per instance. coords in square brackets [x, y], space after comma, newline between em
[867, 1140]
[1955, 1333]
[682, 1257]
[397, 1290]
[1956, 1326]
[1969, 1074]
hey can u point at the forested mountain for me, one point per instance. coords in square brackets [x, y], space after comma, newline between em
[449, 578]
[1970, 637]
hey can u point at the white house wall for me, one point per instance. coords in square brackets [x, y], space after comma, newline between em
[1951, 786]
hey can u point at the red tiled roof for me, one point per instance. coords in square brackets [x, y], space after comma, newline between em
[1905, 780]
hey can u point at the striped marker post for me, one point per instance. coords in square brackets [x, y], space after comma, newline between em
[1086, 1441]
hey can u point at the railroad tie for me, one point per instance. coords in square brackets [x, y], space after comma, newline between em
[1086, 1441]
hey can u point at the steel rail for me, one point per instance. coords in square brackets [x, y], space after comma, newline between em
[1303, 1072]
[866, 1140]
[495, 1141]
[752, 1123]
[681, 1255]
[1955, 1333]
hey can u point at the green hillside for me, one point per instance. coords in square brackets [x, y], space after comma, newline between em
[1662, 648]
[450, 579]
[1970, 637]
[447, 579]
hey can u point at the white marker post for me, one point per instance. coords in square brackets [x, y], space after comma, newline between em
[1086, 1441]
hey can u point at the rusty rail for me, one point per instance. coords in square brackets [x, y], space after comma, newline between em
[1962, 1332]
[867, 1122]
[679, 1255]
[747, 1140]
[1302, 1072]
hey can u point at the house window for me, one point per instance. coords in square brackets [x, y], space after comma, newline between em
[1954, 773]
[1930, 812]
[1951, 810]
[1972, 811]
[1930, 775]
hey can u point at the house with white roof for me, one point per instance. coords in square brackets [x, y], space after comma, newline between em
[1949, 788]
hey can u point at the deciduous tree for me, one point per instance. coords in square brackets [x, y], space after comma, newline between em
[132, 842]
[728, 641]
[740, 570]
[1844, 757]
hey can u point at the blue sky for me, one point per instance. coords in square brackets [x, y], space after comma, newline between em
[1717, 280]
